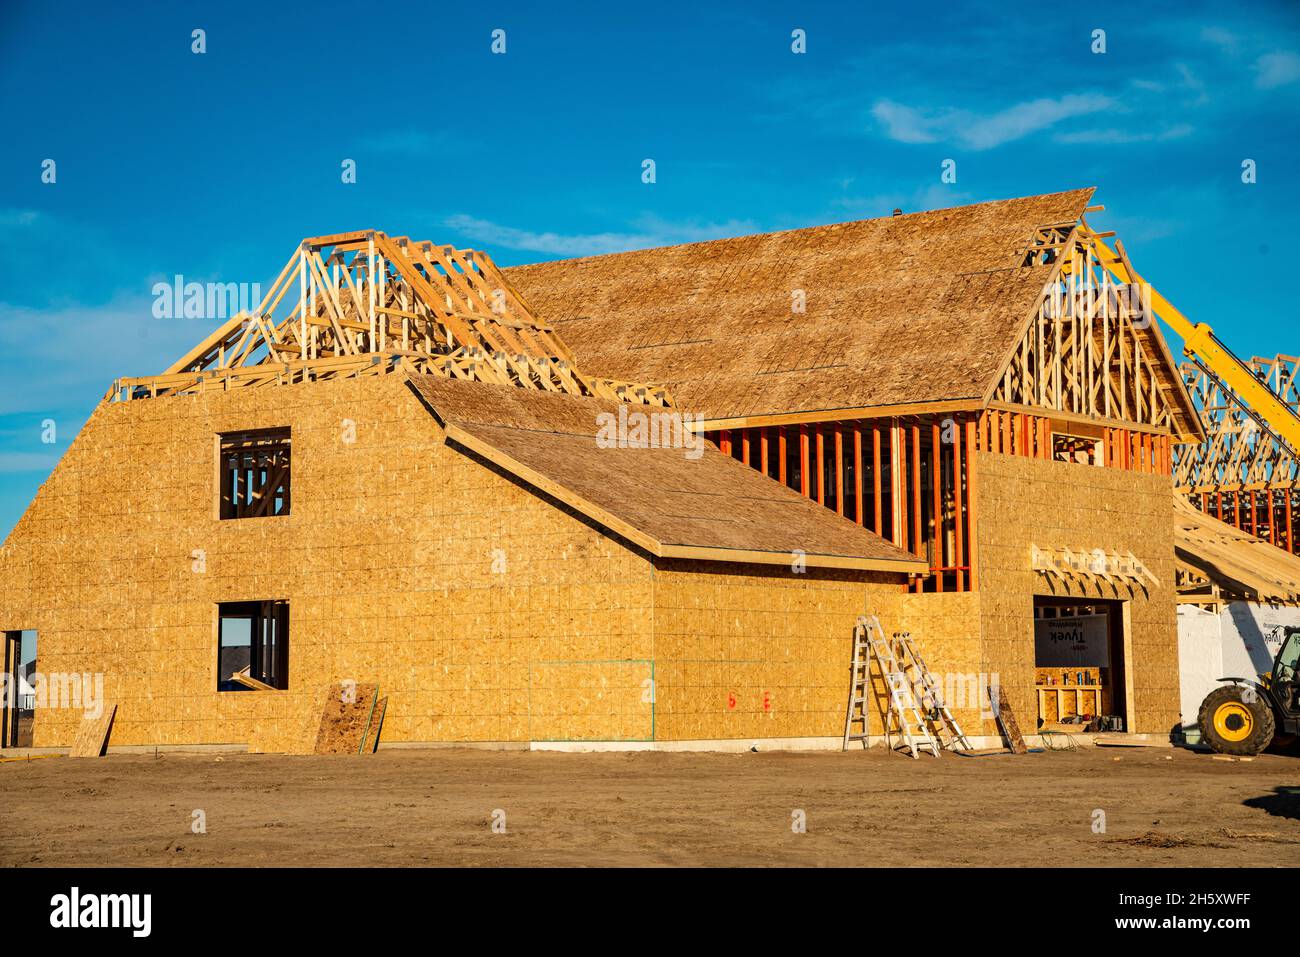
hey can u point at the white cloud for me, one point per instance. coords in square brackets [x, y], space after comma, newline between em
[1111, 136]
[906, 125]
[29, 461]
[68, 356]
[1225, 39]
[649, 231]
[981, 132]
[1277, 69]
[1193, 83]
[18, 218]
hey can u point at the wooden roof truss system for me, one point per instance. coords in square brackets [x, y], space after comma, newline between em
[364, 303]
[1242, 452]
[1091, 348]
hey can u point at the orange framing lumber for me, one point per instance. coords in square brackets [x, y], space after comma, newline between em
[839, 470]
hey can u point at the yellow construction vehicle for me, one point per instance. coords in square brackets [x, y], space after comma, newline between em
[1243, 717]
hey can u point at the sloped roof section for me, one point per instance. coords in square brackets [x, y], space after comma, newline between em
[1236, 564]
[661, 498]
[898, 310]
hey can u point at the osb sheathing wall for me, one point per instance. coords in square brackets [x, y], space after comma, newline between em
[484, 611]
[761, 652]
[1023, 502]
[945, 630]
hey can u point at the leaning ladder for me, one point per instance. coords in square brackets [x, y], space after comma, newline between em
[858, 687]
[934, 708]
[902, 712]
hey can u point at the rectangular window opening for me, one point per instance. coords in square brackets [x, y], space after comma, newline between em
[253, 646]
[1076, 448]
[255, 473]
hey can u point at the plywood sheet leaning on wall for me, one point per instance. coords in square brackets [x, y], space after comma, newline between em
[92, 737]
[346, 720]
[1007, 721]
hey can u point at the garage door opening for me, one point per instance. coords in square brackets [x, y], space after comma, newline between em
[1079, 663]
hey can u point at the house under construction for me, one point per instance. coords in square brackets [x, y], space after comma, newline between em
[632, 498]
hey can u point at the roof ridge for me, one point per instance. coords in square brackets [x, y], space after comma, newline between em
[805, 229]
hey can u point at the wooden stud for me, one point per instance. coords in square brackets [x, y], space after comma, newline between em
[898, 493]
[972, 552]
[918, 543]
[821, 465]
[857, 474]
[958, 508]
[1272, 527]
[936, 502]
[804, 487]
[876, 476]
[839, 470]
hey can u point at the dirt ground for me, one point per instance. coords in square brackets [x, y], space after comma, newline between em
[435, 807]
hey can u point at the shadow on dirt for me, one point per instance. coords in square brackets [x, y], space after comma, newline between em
[1283, 802]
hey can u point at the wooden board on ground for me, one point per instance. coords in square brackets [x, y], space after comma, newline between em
[92, 737]
[1129, 743]
[346, 718]
[1007, 721]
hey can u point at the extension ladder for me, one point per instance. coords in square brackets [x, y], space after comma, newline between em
[902, 717]
[934, 708]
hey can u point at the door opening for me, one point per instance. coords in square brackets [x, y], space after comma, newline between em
[18, 704]
[1079, 663]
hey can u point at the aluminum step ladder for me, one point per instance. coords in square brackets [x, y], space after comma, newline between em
[927, 691]
[860, 670]
[902, 717]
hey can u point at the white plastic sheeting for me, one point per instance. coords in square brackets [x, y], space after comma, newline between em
[1240, 641]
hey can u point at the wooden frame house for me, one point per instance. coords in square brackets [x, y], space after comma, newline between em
[397, 470]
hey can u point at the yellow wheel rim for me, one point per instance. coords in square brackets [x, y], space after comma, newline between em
[1233, 721]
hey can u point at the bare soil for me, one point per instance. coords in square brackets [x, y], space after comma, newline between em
[435, 807]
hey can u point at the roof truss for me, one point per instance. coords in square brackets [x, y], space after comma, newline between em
[1091, 347]
[361, 303]
[1241, 451]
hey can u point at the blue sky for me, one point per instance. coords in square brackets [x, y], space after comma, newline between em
[213, 166]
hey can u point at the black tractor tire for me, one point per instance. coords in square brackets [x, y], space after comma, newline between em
[1245, 725]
